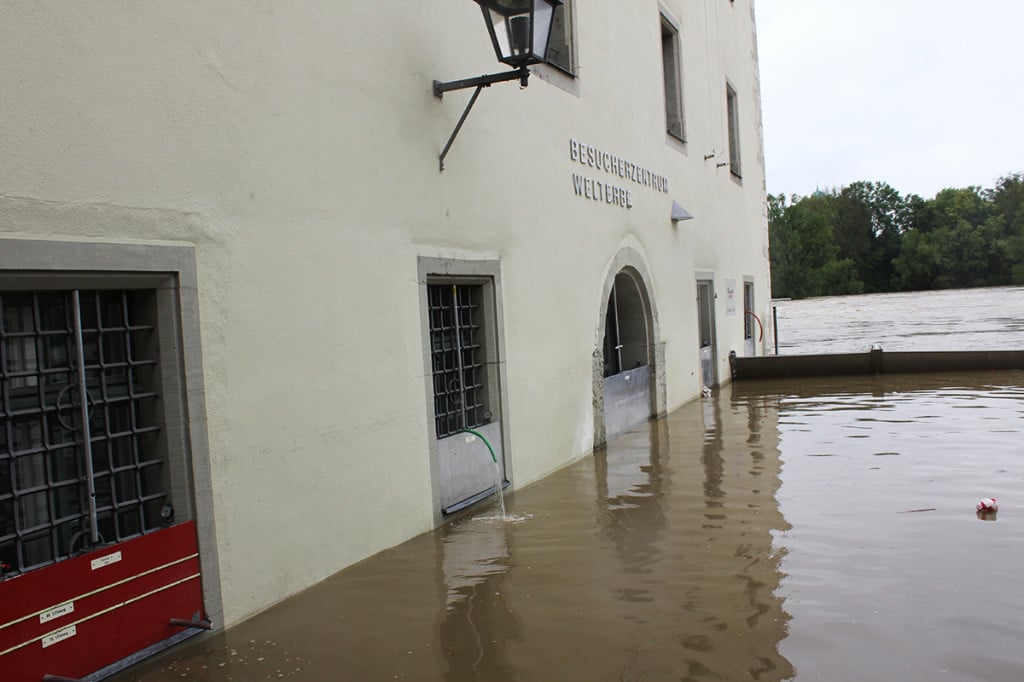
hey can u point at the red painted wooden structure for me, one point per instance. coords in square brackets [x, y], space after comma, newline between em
[83, 614]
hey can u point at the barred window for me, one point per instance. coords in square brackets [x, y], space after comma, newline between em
[81, 444]
[458, 357]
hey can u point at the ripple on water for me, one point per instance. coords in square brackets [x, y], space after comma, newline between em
[508, 517]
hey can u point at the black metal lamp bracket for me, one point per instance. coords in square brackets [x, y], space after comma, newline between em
[522, 74]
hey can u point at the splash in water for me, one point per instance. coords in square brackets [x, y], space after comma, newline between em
[499, 480]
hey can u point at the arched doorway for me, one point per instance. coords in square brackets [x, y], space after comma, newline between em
[629, 383]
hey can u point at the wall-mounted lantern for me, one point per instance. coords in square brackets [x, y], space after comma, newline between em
[520, 31]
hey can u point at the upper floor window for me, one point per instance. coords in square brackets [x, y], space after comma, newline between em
[732, 111]
[671, 66]
[561, 48]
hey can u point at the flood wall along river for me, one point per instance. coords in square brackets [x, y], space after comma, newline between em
[806, 529]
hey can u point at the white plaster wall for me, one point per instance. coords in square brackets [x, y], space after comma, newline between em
[295, 143]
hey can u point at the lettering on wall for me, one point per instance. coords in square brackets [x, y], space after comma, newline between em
[616, 193]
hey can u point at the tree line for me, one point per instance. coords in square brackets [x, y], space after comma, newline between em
[867, 238]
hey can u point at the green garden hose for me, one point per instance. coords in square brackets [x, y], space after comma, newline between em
[481, 437]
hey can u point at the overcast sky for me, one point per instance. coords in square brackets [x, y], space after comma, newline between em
[921, 94]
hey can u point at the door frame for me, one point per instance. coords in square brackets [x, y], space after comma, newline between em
[707, 280]
[629, 261]
[432, 270]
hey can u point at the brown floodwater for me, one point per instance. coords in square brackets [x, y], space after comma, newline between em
[814, 530]
[942, 320]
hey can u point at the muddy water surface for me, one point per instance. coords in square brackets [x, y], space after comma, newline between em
[810, 530]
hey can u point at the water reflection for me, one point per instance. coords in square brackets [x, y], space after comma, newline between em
[630, 481]
[478, 624]
[711, 459]
[739, 484]
[688, 505]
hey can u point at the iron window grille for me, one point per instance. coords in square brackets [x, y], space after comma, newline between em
[458, 357]
[71, 477]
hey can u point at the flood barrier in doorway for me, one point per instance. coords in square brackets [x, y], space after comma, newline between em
[498, 478]
[874, 361]
[627, 400]
[92, 615]
[486, 442]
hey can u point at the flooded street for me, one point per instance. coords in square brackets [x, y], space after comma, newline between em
[954, 319]
[812, 530]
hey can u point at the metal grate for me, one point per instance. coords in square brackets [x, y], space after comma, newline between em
[457, 355]
[53, 454]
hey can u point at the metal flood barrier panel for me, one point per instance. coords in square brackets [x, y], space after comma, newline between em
[627, 400]
[468, 473]
[81, 615]
[873, 362]
[707, 367]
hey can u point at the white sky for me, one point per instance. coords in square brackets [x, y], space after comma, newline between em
[921, 94]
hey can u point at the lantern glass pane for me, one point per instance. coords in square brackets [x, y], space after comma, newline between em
[542, 15]
[501, 34]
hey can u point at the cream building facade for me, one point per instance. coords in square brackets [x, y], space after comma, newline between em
[235, 209]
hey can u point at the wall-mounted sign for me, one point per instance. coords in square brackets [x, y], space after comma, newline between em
[59, 636]
[611, 193]
[106, 560]
[57, 612]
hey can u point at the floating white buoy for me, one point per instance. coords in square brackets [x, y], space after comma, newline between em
[988, 504]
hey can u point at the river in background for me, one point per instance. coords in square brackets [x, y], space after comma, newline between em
[819, 529]
[956, 319]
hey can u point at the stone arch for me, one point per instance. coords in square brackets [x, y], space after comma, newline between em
[627, 273]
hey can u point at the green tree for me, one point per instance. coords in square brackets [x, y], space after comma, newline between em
[1007, 199]
[871, 218]
[867, 237]
[803, 250]
[964, 237]
[919, 262]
